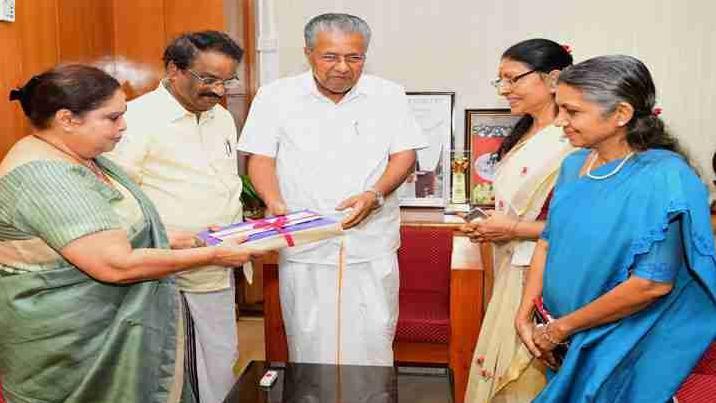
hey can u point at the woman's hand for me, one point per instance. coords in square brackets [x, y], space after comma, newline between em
[526, 329]
[229, 254]
[183, 239]
[497, 227]
[529, 333]
[546, 338]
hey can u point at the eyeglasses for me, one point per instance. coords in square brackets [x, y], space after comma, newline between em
[212, 81]
[333, 58]
[497, 83]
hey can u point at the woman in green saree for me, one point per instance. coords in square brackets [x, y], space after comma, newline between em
[88, 308]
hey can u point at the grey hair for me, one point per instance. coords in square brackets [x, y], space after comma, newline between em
[610, 80]
[344, 23]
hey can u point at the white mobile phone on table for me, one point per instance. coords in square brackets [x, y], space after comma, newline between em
[475, 213]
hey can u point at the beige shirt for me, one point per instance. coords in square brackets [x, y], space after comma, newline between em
[326, 152]
[187, 168]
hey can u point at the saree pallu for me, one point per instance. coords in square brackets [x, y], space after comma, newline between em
[68, 337]
[502, 369]
[597, 231]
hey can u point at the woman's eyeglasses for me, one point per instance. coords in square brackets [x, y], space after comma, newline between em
[497, 83]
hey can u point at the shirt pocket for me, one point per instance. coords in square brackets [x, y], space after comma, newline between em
[369, 148]
[301, 135]
[223, 161]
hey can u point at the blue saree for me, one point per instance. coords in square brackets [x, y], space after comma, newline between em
[651, 220]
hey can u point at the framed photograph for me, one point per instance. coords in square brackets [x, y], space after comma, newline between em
[484, 131]
[429, 183]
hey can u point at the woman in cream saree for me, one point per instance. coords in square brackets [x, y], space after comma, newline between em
[502, 369]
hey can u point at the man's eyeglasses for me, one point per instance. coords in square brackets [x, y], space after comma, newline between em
[212, 81]
[497, 83]
[334, 58]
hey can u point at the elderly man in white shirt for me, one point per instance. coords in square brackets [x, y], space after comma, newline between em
[334, 139]
[180, 147]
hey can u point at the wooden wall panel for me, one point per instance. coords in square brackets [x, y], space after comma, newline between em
[47, 32]
[139, 31]
[38, 28]
[139, 39]
[12, 75]
[189, 15]
[29, 46]
[85, 30]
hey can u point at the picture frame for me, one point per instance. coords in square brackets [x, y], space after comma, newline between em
[428, 185]
[485, 129]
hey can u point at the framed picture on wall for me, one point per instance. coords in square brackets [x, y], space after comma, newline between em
[484, 131]
[429, 183]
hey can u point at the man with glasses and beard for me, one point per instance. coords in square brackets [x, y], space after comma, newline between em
[180, 148]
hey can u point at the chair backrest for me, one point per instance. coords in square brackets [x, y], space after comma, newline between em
[427, 266]
[707, 364]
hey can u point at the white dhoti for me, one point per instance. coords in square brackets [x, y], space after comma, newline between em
[215, 342]
[352, 325]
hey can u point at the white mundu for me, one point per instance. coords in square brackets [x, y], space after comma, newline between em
[326, 152]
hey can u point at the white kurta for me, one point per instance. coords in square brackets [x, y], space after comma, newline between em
[326, 152]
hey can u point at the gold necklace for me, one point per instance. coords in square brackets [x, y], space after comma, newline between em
[90, 164]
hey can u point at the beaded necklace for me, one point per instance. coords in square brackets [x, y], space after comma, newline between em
[605, 176]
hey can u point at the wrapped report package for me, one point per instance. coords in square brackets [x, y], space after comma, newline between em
[272, 233]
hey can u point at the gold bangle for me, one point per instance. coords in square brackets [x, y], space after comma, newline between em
[545, 333]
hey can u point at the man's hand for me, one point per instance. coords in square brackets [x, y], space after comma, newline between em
[361, 204]
[276, 208]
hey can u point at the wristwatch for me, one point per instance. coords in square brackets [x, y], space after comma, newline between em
[379, 199]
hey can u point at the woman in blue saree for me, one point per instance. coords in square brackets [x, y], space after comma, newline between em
[89, 311]
[626, 265]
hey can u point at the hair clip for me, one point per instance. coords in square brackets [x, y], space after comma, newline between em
[656, 111]
[567, 48]
[15, 94]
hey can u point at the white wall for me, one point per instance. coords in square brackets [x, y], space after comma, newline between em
[455, 45]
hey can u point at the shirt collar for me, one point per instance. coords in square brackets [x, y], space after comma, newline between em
[308, 83]
[175, 110]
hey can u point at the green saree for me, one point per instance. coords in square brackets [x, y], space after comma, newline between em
[64, 335]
